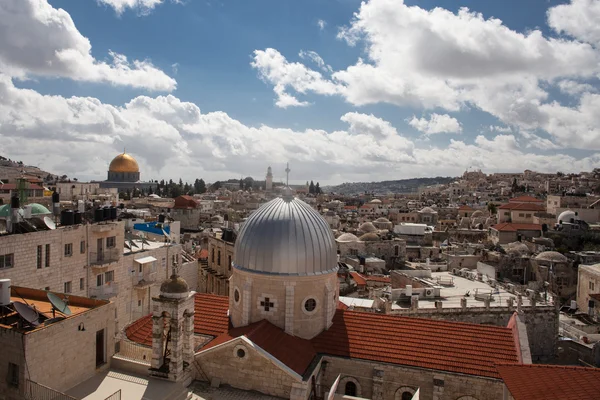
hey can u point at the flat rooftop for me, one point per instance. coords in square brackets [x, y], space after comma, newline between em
[451, 295]
[39, 302]
[148, 245]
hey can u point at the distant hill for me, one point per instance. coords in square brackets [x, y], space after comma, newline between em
[385, 187]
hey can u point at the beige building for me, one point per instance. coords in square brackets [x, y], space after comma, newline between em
[214, 273]
[588, 283]
[392, 252]
[556, 202]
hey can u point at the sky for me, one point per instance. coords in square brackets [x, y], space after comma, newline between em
[343, 90]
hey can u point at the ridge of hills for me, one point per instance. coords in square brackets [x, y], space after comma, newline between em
[410, 185]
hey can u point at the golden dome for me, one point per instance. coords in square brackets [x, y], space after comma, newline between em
[123, 163]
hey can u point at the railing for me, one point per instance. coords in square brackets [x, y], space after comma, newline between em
[106, 291]
[35, 391]
[135, 352]
[99, 258]
[115, 396]
[145, 280]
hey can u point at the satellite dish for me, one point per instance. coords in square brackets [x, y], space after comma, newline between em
[59, 304]
[49, 223]
[50, 321]
[27, 313]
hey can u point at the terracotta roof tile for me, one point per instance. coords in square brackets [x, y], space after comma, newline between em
[210, 319]
[465, 208]
[525, 199]
[550, 382]
[294, 352]
[522, 207]
[358, 278]
[510, 227]
[418, 342]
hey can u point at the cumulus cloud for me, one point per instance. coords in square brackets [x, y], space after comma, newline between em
[143, 7]
[315, 58]
[574, 88]
[39, 40]
[273, 68]
[578, 19]
[436, 124]
[502, 129]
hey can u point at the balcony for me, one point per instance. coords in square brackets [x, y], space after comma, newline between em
[101, 259]
[105, 292]
[145, 280]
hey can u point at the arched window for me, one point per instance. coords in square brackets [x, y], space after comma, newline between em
[406, 396]
[350, 389]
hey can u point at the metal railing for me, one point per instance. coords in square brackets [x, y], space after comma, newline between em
[35, 391]
[115, 396]
[135, 352]
[98, 258]
[105, 291]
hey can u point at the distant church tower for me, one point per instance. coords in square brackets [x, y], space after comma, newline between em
[269, 185]
[173, 331]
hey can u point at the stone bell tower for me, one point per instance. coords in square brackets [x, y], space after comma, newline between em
[173, 331]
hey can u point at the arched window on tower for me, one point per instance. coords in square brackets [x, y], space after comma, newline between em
[350, 389]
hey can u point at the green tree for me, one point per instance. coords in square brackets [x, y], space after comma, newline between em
[216, 185]
[492, 208]
[199, 186]
[317, 188]
[311, 188]
[241, 184]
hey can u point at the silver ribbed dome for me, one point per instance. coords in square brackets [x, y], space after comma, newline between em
[286, 237]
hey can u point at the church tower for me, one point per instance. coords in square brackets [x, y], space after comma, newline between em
[269, 184]
[173, 331]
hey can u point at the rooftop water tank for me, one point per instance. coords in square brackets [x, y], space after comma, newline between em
[4, 292]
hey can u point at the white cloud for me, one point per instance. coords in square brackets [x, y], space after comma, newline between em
[574, 88]
[322, 24]
[39, 40]
[172, 138]
[275, 69]
[578, 19]
[501, 129]
[143, 7]
[316, 58]
[436, 124]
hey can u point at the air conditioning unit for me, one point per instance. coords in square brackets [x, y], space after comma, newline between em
[510, 288]
[429, 293]
[455, 271]
[479, 276]
[530, 293]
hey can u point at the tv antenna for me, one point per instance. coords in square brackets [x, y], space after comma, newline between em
[59, 305]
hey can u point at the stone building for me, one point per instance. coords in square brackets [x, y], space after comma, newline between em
[214, 273]
[393, 251]
[588, 284]
[187, 211]
[58, 353]
[557, 270]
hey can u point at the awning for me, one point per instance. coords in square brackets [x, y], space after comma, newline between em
[145, 260]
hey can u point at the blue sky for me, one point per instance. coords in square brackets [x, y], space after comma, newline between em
[227, 59]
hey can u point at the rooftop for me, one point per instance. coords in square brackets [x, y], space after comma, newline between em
[510, 227]
[522, 207]
[550, 382]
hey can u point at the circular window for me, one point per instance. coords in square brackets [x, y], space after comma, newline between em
[241, 353]
[310, 305]
[236, 295]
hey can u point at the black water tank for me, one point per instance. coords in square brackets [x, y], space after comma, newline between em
[106, 214]
[67, 217]
[98, 215]
[14, 202]
[122, 206]
[161, 218]
[55, 197]
[113, 213]
[77, 217]
[226, 217]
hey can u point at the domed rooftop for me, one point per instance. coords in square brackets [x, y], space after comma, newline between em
[566, 216]
[370, 237]
[551, 256]
[428, 210]
[286, 237]
[36, 209]
[347, 237]
[477, 213]
[367, 227]
[375, 201]
[518, 248]
[124, 163]
[174, 285]
[382, 220]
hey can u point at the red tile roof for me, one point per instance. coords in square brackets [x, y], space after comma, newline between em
[465, 208]
[510, 227]
[294, 352]
[522, 207]
[383, 279]
[525, 199]
[418, 342]
[550, 382]
[210, 319]
[358, 278]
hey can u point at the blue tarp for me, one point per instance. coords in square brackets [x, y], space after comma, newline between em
[150, 227]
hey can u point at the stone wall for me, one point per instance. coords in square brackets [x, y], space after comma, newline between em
[253, 371]
[379, 381]
[541, 322]
[11, 343]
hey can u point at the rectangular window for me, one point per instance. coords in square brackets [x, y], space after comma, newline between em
[591, 285]
[229, 262]
[47, 264]
[67, 287]
[82, 246]
[528, 215]
[68, 249]
[39, 257]
[219, 258]
[111, 242]
[99, 280]
[81, 283]
[521, 215]
[47, 288]
[109, 276]
[13, 375]
[7, 261]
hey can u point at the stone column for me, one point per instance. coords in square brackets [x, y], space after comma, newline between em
[378, 375]
[329, 304]
[246, 296]
[176, 347]
[519, 303]
[157, 341]
[289, 307]
[188, 343]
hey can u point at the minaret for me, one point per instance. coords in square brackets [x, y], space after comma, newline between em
[269, 184]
